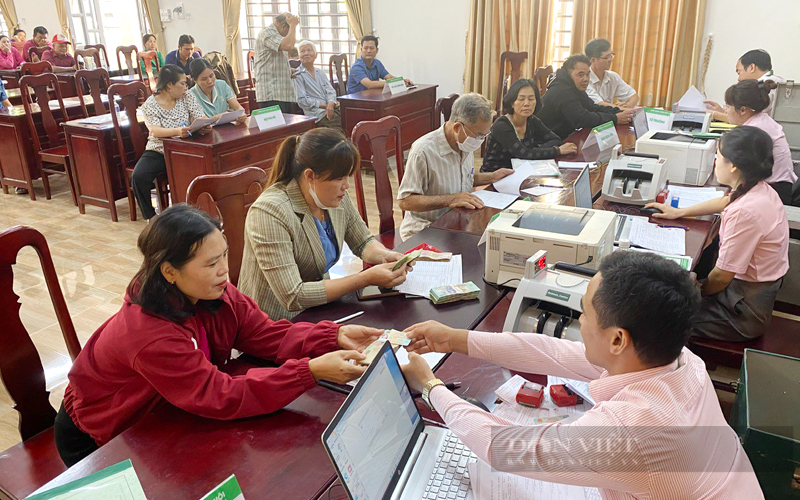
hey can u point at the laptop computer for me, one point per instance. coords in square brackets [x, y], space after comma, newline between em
[381, 449]
[582, 189]
[639, 120]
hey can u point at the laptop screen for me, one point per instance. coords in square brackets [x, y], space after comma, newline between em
[374, 432]
[583, 189]
[639, 121]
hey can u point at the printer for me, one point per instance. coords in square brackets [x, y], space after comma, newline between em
[690, 121]
[634, 178]
[548, 299]
[690, 160]
[568, 234]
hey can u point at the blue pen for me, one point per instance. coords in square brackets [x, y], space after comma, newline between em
[188, 131]
[685, 228]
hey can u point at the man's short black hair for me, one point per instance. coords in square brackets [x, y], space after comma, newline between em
[185, 40]
[18, 31]
[759, 57]
[650, 297]
[370, 38]
[574, 59]
[596, 47]
[281, 18]
[39, 30]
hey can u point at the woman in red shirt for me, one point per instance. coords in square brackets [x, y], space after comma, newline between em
[179, 322]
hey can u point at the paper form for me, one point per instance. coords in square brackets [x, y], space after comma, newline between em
[689, 196]
[494, 199]
[692, 100]
[199, 123]
[576, 165]
[118, 482]
[427, 275]
[510, 184]
[229, 117]
[548, 412]
[490, 484]
[661, 239]
[540, 190]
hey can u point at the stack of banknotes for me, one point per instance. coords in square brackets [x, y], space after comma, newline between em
[453, 293]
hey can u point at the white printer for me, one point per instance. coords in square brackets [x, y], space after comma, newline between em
[548, 300]
[634, 178]
[568, 234]
[690, 160]
[690, 121]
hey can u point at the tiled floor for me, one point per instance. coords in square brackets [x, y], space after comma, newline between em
[95, 260]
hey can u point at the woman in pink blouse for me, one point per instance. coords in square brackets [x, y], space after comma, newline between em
[753, 255]
[10, 58]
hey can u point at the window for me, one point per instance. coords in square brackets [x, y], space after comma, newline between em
[322, 22]
[562, 31]
[4, 27]
[110, 22]
[84, 22]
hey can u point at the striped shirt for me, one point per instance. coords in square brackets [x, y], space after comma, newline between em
[433, 169]
[284, 260]
[271, 65]
[313, 89]
[653, 434]
[186, 111]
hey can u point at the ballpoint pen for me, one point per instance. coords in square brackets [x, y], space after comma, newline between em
[665, 226]
[188, 131]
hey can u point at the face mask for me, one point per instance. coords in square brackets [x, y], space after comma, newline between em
[316, 199]
[470, 144]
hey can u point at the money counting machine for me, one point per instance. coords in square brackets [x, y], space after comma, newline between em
[548, 299]
[634, 178]
[568, 234]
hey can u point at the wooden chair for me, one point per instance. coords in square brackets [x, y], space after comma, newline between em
[515, 59]
[228, 197]
[540, 76]
[251, 57]
[35, 68]
[35, 53]
[97, 81]
[101, 49]
[127, 52]
[82, 54]
[52, 158]
[377, 135]
[148, 59]
[443, 107]
[129, 96]
[339, 61]
[22, 372]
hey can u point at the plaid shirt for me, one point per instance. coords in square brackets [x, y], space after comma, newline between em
[273, 73]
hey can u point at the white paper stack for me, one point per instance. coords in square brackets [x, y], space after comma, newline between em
[427, 275]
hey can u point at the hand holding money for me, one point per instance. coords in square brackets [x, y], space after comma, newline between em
[395, 337]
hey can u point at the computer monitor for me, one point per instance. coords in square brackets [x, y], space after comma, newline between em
[373, 434]
[639, 120]
[583, 189]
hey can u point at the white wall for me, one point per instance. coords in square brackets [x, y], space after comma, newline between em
[423, 40]
[741, 25]
[33, 13]
[204, 23]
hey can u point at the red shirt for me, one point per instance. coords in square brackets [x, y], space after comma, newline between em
[65, 61]
[12, 60]
[135, 360]
[28, 44]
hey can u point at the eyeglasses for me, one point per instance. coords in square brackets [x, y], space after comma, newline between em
[480, 137]
[609, 57]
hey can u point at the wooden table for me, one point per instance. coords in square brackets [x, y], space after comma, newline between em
[97, 168]
[415, 108]
[65, 78]
[399, 312]
[226, 147]
[124, 79]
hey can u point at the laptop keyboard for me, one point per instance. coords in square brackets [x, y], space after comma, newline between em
[450, 478]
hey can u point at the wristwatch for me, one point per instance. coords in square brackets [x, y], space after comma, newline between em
[427, 391]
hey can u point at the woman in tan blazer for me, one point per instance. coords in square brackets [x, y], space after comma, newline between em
[295, 230]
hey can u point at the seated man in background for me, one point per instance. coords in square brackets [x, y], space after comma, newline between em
[59, 55]
[440, 171]
[368, 72]
[656, 430]
[184, 54]
[315, 94]
[755, 64]
[39, 41]
[605, 86]
[566, 107]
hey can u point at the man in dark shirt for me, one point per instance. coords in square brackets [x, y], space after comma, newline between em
[184, 55]
[566, 107]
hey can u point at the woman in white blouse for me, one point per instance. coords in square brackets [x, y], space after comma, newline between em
[167, 113]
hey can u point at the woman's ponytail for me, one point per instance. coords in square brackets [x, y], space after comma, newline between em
[283, 163]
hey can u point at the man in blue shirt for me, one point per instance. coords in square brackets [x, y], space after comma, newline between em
[368, 72]
[184, 55]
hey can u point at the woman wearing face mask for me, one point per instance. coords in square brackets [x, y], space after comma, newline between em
[519, 134]
[10, 58]
[175, 332]
[753, 256]
[745, 103]
[295, 230]
[214, 96]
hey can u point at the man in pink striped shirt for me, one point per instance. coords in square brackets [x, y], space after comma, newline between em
[656, 430]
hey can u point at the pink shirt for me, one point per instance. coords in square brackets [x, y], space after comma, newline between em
[754, 236]
[28, 44]
[654, 434]
[64, 61]
[12, 60]
[783, 169]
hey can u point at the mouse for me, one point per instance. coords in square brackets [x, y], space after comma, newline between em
[650, 211]
[475, 402]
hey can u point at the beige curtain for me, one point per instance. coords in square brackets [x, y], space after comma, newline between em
[230, 18]
[360, 19]
[497, 26]
[153, 13]
[10, 15]
[657, 42]
[61, 10]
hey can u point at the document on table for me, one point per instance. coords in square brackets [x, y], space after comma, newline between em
[510, 184]
[548, 412]
[199, 123]
[118, 482]
[576, 165]
[542, 168]
[541, 190]
[427, 275]
[661, 239]
[491, 484]
[229, 117]
[688, 196]
[494, 199]
[692, 100]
